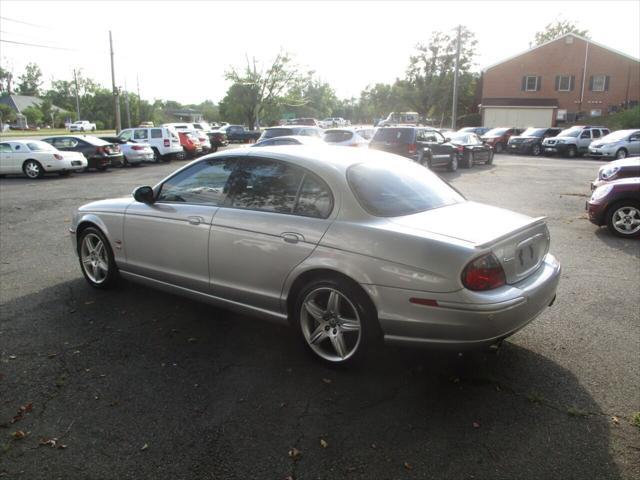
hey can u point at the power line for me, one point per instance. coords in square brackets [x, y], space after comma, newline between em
[41, 46]
[25, 23]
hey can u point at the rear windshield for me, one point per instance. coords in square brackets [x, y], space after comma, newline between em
[277, 132]
[496, 132]
[335, 136]
[394, 135]
[40, 147]
[399, 189]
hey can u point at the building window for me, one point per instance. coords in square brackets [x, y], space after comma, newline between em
[599, 83]
[561, 115]
[564, 83]
[596, 112]
[531, 83]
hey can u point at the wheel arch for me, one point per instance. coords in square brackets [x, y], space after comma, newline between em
[91, 220]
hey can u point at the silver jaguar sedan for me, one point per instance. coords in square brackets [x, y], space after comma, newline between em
[346, 245]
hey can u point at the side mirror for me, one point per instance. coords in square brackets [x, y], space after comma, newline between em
[144, 195]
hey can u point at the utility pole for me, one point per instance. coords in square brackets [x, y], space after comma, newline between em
[454, 107]
[75, 77]
[138, 88]
[116, 96]
[126, 104]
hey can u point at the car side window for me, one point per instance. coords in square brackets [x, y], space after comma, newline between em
[314, 198]
[635, 137]
[140, 134]
[265, 185]
[5, 148]
[203, 183]
[585, 134]
[17, 147]
[156, 133]
[421, 136]
[596, 133]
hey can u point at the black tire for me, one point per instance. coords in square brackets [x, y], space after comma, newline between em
[156, 155]
[111, 277]
[572, 152]
[490, 159]
[452, 166]
[499, 147]
[125, 162]
[65, 173]
[102, 169]
[621, 153]
[369, 335]
[632, 207]
[214, 149]
[469, 160]
[536, 150]
[32, 169]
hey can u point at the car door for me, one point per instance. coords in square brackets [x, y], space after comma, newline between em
[19, 153]
[436, 144]
[480, 150]
[274, 216]
[141, 135]
[584, 140]
[634, 144]
[8, 162]
[168, 240]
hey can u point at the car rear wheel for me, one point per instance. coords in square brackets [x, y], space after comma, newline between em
[96, 259]
[536, 150]
[336, 321]
[32, 169]
[453, 163]
[623, 219]
[622, 153]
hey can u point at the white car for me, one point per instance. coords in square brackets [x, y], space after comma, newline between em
[82, 126]
[164, 141]
[349, 136]
[34, 158]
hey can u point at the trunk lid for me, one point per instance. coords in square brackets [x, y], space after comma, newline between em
[518, 241]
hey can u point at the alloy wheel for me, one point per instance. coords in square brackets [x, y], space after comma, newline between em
[94, 258]
[32, 169]
[330, 324]
[537, 150]
[626, 220]
[622, 153]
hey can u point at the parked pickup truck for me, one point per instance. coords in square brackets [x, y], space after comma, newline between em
[82, 126]
[238, 133]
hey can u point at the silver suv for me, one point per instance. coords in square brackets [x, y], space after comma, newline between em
[620, 144]
[573, 141]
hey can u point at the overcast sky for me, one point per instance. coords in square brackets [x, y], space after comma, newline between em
[180, 50]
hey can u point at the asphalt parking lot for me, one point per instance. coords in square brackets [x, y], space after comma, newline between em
[134, 383]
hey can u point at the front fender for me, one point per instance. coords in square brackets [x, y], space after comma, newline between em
[111, 225]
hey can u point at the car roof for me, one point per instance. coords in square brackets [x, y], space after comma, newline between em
[291, 126]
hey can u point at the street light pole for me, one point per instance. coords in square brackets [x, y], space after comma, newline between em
[75, 77]
[454, 107]
[116, 96]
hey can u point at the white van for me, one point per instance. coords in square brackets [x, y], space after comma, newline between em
[164, 141]
[400, 118]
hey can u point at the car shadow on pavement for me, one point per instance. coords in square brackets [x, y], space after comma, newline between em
[630, 246]
[141, 384]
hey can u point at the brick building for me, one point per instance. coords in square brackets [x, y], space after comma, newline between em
[567, 79]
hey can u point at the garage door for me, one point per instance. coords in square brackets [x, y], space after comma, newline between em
[518, 117]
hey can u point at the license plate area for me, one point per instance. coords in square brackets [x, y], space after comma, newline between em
[529, 254]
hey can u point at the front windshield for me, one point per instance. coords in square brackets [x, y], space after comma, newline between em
[534, 132]
[570, 132]
[616, 136]
[393, 189]
[496, 132]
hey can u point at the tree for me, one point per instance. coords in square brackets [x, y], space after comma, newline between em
[259, 90]
[6, 77]
[7, 115]
[557, 29]
[34, 115]
[30, 81]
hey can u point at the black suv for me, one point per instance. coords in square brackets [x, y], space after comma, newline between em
[531, 140]
[423, 145]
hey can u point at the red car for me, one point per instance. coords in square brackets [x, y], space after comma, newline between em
[616, 204]
[190, 143]
[628, 167]
[499, 137]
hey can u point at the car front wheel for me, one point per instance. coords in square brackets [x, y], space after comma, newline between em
[623, 219]
[96, 259]
[470, 160]
[336, 321]
[622, 153]
[572, 152]
[536, 150]
[499, 147]
[453, 163]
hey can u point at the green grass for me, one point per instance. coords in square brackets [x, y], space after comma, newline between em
[635, 419]
[616, 121]
[52, 131]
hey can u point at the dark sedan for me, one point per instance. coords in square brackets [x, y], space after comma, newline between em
[617, 205]
[477, 130]
[471, 149]
[531, 140]
[218, 138]
[628, 167]
[100, 154]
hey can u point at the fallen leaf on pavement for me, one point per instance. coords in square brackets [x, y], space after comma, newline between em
[192, 339]
[475, 425]
[18, 434]
[49, 442]
[145, 446]
[326, 380]
[22, 411]
[323, 443]
[407, 466]
[12, 357]
[615, 420]
[295, 453]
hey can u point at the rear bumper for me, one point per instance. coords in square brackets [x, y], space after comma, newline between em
[465, 325]
[65, 165]
[139, 157]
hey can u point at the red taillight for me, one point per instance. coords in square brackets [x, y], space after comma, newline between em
[412, 148]
[137, 147]
[167, 142]
[484, 273]
[57, 156]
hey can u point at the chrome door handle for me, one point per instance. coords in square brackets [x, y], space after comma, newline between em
[195, 220]
[291, 237]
